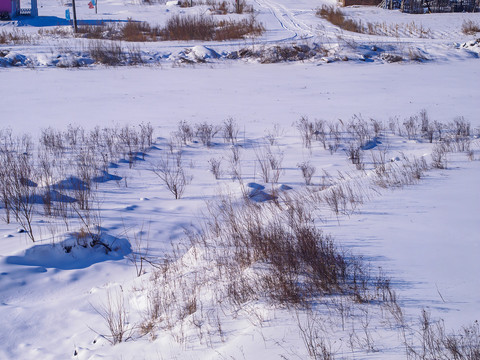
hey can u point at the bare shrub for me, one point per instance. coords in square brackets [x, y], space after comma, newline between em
[379, 161]
[241, 7]
[335, 137]
[320, 131]
[140, 252]
[146, 136]
[269, 164]
[336, 199]
[411, 29]
[5, 193]
[170, 170]
[359, 130]
[461, 127]
[314, 337]
[14, 37]
[411, 126]
[52, 140]
[230, 131]
[427, 129]
[465, 344]
[307, 131]
[215, 167]
[470, 155]
[307, 170]
[298, 257]
[130, 141]
[439, 156]
[438, 130]
[433, 342]
[401, 173]
[469, 27]
[185, 132]
[377, 127]
[230, 29]
[189, 28]
[394, 125]
[207, 28]
[335, 16]
[221, 8]
[110, 53]
[138, 31]
[92, 31]
[91, 221]
[115, 315]
[235, 163]
[205, 133]
[134, 55]
[132, 31]
[274, 134]
[461, 144]
[355, 155]
[275, 158]
[18, 185]
[263, 164]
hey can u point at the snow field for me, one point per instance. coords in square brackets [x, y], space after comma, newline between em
[174, 277]
[149, 218]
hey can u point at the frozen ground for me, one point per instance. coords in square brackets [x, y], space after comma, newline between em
[424, 236]
[255, 95]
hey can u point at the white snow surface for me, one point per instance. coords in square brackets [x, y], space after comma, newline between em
[424, 236]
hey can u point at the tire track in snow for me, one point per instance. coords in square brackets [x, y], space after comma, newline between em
[287, 20]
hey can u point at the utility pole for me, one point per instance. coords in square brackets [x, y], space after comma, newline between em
[74, 17]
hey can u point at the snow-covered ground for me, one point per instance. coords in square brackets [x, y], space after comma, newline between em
[430, 37]
[424, 236]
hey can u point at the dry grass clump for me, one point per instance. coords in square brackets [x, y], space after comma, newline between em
[92, 31]
[181, 27]
[107, 53]
[410, 30]
[469, 27]
[297, 260]
[238, 29]
[178, 27]
[139, 31]
[133, 31]
[59, 31]
[207, 28]
[14, 37]
[336, 17]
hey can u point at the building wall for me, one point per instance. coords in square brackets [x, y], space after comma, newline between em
[361, 2]
[6, 5]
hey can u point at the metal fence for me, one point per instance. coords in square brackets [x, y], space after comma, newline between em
[26, 12]
[431, 6]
